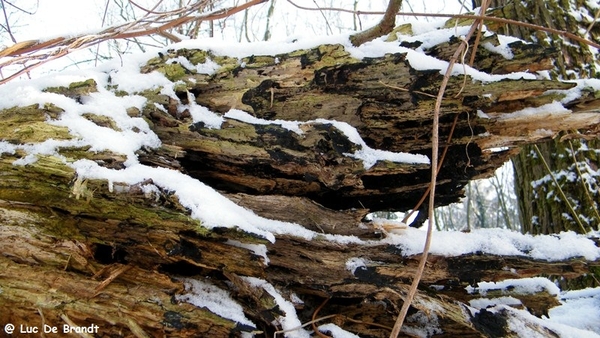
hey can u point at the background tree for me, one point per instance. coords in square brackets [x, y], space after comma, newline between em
[561, 196]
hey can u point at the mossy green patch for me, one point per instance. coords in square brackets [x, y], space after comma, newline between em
[102, 121]
[198, 56]
[405, 29]
[75, 89]
[173, 71]
[258, 61]
[50, 183]
[28, 125]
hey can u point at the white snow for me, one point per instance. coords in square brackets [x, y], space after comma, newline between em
[499, 242]
[289, 321]
[355, 263]
[218, 301]
[257, 249]
[521, 320]
[547, 109]
[517, 286]
[579, 310]
[336, 331]
[202, 114]
[577, 316]
[482, 303]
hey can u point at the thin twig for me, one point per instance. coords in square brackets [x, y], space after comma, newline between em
[325, 18]
[114, 274]
[562, 193]
[462, 16]
[441, 161]
[24, 52]
[434, 164]
[43, 321]
[587, 31]
[102, 25]
[314, 316]
[479, 32]
[7, 27]
[585, 186]
[304, 325]
[18, 8]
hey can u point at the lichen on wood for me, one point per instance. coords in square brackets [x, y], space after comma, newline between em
[115, 254]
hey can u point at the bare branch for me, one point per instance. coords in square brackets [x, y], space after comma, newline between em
[17, 7]
[462, 16]
[385, 26]
[7, 27]
[45, 51]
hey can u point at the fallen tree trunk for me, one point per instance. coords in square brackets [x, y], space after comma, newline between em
[84, 251]
[118, 274]
[386, 99]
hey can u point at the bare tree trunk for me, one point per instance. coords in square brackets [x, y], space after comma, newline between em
[542, 203]
[267, 35]
[542, 208]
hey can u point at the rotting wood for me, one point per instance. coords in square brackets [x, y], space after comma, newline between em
[327, 82]
[32, 262]
[59, 231]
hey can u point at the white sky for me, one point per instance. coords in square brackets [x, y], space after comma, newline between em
[56, 17]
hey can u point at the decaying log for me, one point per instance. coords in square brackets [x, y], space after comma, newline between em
[385, 98]
[63, 259]
[76, 251]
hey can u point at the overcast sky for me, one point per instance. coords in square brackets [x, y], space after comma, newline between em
[58, 17]
[72, 17]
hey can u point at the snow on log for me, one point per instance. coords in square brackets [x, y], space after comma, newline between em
[199, 191]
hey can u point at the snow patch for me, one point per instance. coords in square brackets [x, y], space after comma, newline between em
[499, 242]
[290, 321]
[518, 286]
[336, 331]
[548, 109]
[355, 263]
[205, 295]
[257, 249]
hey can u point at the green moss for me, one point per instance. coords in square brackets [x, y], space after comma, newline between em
[101, 120]
[87, 86]
[173, 71]
[75, 89]
[50, 183]
[227, 63]
[180, 87]
[28, 125]
[259, 61]
[198, 56]
[331, 55]
[458, 22]
[405, 29]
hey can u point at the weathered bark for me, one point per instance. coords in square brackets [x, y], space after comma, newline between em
[326, 82]
[572, 204]
[119, 273]
[546, 207]
[76, 251]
